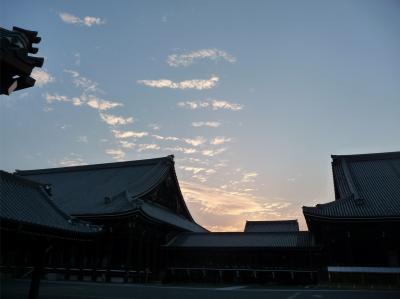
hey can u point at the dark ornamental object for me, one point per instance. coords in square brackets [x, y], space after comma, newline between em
[15, 63]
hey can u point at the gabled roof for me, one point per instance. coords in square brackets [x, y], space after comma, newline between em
[24, 202]
[366, 186]
[272, 226]
[158, 213]
[294, 240]
[104, 188]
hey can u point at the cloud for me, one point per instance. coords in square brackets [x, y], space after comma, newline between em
[199, 140]
[87, 21]
[218, 104]
[126, 144]
[71, 160]
[155, 127]
[77, 57]
[249, 177]
[212, 152]
[220, 140]
[97, 103]
[114, 120]
[128, 134]
[187, 84]
[212, 103]
[83, 139]
[116, 154]
[82, 82]
[223, 202]
[91, 101]
[185, 150]
[168, 138]
[42, 77]
[192, 169]
[187, 59]
[193, 104]
[211, 124]
[152, 146]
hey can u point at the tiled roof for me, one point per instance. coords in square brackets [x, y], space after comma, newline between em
[272, 226]
[26, 202]
[243, 240]
[161, 214]
[366, 186]
[103, 188]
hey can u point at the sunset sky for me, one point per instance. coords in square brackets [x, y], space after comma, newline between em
[252, 97]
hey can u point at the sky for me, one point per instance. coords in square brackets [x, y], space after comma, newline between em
[252, 97]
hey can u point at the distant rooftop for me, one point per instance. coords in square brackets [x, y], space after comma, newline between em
[272, 226]
[26, 203]
[366, 186]
[293, 240]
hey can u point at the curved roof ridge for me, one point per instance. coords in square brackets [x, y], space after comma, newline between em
[367, 156]
[93, 166]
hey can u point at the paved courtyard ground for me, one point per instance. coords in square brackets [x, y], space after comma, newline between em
[17, 289]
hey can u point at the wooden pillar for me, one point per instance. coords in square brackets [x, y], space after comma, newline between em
[38, 265]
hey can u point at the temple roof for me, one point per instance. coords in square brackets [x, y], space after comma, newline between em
[366, 186]
[272, 226]
[294, 240]
[24, 202]
[104, 188]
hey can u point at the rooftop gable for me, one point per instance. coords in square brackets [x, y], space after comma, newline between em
[272, 226]
[107, 188]
[366, 186]
[26, 202]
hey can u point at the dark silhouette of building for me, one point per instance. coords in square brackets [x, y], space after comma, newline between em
[31, 224]
[361, 227]
[148, 232]
[138, 203]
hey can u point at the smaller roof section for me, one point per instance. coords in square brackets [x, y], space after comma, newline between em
[27, 203]
[271, 226]
[288, 240]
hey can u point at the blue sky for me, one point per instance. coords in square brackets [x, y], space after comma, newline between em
[252, 97]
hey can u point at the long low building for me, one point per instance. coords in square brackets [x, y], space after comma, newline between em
[149, 233]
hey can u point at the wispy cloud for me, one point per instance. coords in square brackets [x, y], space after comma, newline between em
[187, 84]
[192, 169]
[42, 77]
[127, 144]
[114, 120]
[211, 124]
[213, 104]
[224, 202]
[83, 139]
[116, 154]
[82, 82]
[152, 146]
[249, 177]
[185, 150]
[199, 140]
[86, 21]
[71, 159]
[98, 103]
[168, 138]
[91, 101]
[212, 152]
[220, 140]
[128, 134]
[189, 58]
[154, 126]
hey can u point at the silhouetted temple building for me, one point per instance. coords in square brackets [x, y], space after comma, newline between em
[148, 232]
[361, 227]
[271, 226]
[30, 224]
[138, 203]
